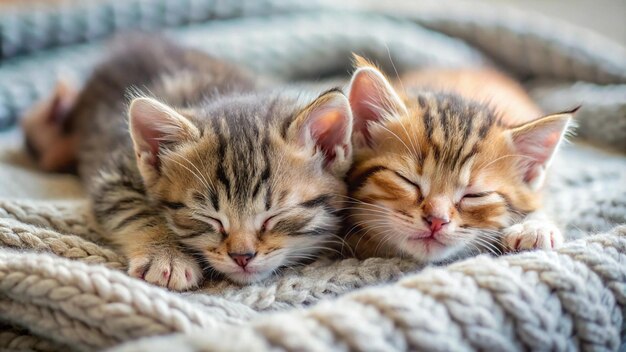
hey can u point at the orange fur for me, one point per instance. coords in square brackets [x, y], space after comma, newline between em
[443, 151]
[494, 88]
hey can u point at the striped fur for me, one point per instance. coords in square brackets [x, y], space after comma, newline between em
[241, 181]
[435, 151]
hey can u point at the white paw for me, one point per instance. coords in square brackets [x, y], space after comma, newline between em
[532, 234]
[166, 267]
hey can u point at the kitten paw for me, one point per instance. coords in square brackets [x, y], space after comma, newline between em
[167, 268]
[532, 234]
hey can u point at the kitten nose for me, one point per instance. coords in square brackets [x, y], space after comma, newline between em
[436, 223]
[242, 259]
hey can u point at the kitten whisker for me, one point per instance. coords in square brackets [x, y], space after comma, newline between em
[379, 212]
[488, 246]
[411, 152]
[188, 169]
[364, 235]
[387, 236]
[486, 166]
[208, 181]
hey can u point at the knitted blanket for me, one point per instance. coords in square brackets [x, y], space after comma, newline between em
[62, 287]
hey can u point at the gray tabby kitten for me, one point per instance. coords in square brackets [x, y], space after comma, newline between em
[208, 169]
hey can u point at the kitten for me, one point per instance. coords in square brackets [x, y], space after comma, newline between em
[438, 174]
[210, 168]
[47, 142]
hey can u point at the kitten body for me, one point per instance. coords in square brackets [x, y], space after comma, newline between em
[451, 166]
[208, 169]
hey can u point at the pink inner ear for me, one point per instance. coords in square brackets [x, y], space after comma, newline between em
[61, 104]
[364, 97]
[328, 129]
[372, 98]
[538, 144]
[56, 112]
[329, 126]
[150, 138]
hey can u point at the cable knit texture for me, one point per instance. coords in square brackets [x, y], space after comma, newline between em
[63, 288]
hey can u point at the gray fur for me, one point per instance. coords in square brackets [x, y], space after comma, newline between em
[248, 123]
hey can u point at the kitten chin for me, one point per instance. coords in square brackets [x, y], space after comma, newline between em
[210, 171]
[438, 174]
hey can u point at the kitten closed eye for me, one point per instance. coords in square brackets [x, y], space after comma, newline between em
[477, 195]
[407, 180]
[173, 205]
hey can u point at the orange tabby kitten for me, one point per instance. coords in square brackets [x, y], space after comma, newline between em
[449, 165]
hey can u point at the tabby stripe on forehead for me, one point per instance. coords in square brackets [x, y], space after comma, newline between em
[213, 197]
[266, 174]
[428, 123]
[268, 197]
[221, 156]
[468, 126]
[466, 158]
[486, 126]
[436, 150]
[209, 196]
[223, 178]
[444, 120]
[455, 159]
[422, 102]
[360, 180]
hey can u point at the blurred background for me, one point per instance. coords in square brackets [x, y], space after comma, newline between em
[607, 17]
[567, 53]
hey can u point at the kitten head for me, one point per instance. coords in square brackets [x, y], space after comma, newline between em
[435, 174]
[248, 183]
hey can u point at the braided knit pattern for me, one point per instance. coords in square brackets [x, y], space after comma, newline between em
[18, 340]
[62, 287]
[572, 299]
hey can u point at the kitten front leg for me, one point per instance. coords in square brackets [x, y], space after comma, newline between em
[153, 254]
[158, 260]
[536, 231]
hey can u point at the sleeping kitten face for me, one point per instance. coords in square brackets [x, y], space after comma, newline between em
[249, 184]
[435, 175]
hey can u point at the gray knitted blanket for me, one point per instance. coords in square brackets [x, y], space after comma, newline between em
[61, 287]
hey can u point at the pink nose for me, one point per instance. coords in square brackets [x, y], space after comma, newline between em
[435, 223]
[242, 259]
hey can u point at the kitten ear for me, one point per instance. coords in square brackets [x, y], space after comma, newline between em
[54, 109]
[372, 98]
[326, 125]
[153, 124]
[537, 141]
[64, 97]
